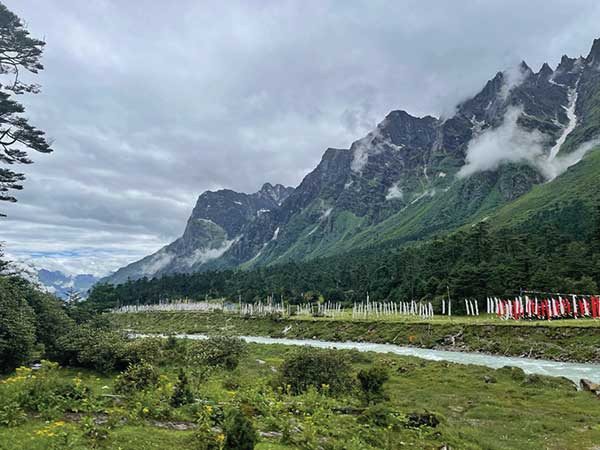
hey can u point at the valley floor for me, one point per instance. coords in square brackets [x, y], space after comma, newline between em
[561, 340]
[476, 408]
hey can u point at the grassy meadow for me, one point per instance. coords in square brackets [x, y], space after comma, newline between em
[472, 407]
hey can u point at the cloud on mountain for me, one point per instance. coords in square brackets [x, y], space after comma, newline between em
[506, 143]
[511, 143]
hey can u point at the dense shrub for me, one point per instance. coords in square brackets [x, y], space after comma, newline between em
[239, 431]
[317, 368]
[223, 352]
[94, 348]
[136, 377]
[182, 393]
[28, 317]
[149, 350]
[371, 381]
[17, 325]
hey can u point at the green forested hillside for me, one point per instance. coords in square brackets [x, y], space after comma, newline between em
[548, 239]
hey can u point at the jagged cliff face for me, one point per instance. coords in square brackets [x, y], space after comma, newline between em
[217, 222]
[407, 179]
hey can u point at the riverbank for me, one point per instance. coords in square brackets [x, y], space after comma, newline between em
[575, 342]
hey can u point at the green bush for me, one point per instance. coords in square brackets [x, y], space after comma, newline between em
[17, 325]
[149, 350]
[136, 377]
[371, 382]
[94, 348]
[317, 368]
[219, 351]
[239, 431]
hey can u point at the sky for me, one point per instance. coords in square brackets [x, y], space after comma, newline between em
[149, 103]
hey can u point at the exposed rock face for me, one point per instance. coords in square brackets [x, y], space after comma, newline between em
[400, 182]
[217, 221]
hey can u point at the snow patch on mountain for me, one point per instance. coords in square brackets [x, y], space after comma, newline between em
[275, 234]
[551, 168]
[394, 192]
[63, 285]
[572, 116]
[325, 214]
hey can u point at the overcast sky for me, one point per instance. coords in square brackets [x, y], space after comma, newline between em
[150, 102]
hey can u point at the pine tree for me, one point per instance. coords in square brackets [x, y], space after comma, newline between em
[182, 394]
[73, 297]
[18, 51]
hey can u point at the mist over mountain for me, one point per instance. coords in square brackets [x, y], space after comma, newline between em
[408, 179]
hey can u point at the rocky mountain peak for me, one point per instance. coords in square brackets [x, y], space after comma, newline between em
[594, 56]
[525, 69]
[567, 72]
[545, 71]
[566, 63]
[277, 193]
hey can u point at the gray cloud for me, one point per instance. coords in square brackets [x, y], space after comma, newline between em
[150, 103]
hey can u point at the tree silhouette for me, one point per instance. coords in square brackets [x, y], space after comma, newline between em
[18, 52]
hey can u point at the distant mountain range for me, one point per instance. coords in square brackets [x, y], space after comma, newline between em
[62, 284]
[502, 156]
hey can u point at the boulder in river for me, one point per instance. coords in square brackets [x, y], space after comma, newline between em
[587, 385]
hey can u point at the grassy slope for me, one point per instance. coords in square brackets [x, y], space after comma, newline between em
[563, 341]
[579, 186]
[478, 408]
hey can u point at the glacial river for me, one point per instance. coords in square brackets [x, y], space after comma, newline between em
[572, 371]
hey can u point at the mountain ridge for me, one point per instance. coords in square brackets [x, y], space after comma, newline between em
[216, 222]
[409, 178]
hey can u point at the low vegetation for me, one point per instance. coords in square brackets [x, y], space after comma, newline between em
[88, 385]
[344, 400]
